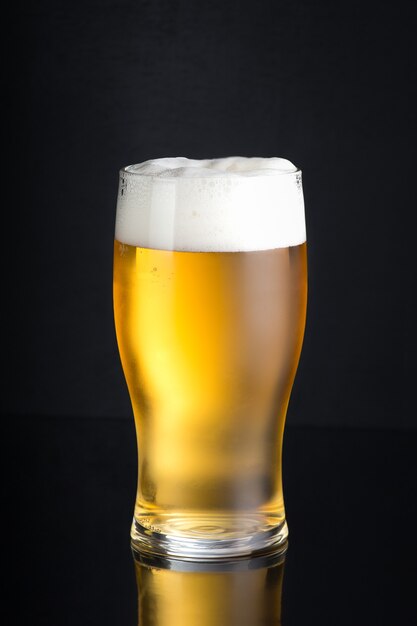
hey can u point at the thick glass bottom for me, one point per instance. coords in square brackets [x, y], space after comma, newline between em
[208, 538]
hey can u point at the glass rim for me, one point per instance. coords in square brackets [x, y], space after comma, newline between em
[123, 171]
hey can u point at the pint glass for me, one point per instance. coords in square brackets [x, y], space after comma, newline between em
[210, 288]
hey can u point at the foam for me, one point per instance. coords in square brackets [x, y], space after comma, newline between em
[223, 205]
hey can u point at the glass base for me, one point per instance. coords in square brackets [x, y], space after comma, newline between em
[202, 538]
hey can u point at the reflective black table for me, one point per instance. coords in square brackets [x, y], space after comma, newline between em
[350, 500]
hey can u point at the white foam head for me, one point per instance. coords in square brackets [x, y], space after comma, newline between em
[223, 205]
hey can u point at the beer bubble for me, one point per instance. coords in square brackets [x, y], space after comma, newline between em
[229, 204]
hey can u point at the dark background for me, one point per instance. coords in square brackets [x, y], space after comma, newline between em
[100, 84]
[92, 86]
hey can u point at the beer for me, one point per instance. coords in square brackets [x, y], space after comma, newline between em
[209, 342]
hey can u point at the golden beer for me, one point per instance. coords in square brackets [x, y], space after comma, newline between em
[209, 343]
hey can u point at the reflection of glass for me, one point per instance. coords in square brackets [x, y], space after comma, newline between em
[210, 285]
[182, 593]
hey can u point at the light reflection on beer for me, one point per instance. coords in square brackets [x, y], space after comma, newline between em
[180, 593]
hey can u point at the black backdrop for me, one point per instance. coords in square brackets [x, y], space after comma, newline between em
[98, 84]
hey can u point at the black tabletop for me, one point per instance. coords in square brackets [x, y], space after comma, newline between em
[350, 508]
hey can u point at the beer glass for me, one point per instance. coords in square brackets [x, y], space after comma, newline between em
[210, 288]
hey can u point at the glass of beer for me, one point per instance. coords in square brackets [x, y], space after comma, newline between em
[210, 290]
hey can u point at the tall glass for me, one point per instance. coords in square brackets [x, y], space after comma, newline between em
[210, 288]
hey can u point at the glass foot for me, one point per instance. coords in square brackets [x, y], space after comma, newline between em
[202, 538]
